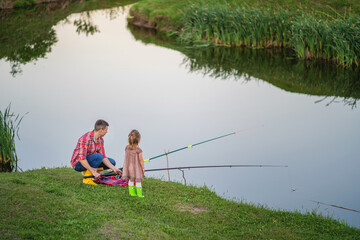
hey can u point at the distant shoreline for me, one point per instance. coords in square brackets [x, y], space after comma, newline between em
[313, 31]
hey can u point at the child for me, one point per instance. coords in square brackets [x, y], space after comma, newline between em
[133, 168]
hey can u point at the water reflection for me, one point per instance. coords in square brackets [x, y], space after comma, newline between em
[24, 38]
[27, 35]
[277, 67]
[85, 25]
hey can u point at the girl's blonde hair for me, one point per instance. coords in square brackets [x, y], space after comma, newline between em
[134, 138]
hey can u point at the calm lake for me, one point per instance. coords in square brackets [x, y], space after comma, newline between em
[68, 68]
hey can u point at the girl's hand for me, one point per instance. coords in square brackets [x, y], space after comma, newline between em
[143, 170]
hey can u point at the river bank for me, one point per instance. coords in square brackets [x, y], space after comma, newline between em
[54, 204]
[50, 5]
[324, 31]
[10, 4]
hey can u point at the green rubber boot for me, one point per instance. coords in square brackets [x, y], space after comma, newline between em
[139, 192]
[132, 191]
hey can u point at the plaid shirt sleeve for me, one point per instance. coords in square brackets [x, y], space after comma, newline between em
[83, 142]
[102, 149]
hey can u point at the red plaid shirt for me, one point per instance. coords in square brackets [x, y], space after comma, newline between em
[86, 145]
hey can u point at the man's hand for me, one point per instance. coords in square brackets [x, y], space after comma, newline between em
[96, 174]
[117, 171]
[86, 165]
[112, 167]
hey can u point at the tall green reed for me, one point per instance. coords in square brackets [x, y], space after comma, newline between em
[311, 36]
[9, 128]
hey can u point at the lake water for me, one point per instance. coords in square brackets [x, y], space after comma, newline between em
[176, 98]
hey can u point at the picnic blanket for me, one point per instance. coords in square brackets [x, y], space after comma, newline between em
[111, 181]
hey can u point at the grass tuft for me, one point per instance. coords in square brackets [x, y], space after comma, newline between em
[310, 36]
[9, 128]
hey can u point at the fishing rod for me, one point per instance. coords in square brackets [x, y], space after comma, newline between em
[193, 145]
[190, 146]
[190, 167]
[332, 205]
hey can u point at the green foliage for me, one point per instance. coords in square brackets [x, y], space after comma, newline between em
[311, 36]
[9, 128]
[23, 3]
[85, 26]
[327, 30]
[54, 204]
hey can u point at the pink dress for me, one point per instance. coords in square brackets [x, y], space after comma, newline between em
[132, 169]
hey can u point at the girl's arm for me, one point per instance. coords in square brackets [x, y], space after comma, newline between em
[141, 162]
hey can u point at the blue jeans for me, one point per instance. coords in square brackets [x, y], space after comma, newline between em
[95, 161]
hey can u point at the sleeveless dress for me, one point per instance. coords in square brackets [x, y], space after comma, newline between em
[132, 169]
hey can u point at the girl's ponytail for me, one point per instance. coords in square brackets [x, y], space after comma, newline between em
[134, 138]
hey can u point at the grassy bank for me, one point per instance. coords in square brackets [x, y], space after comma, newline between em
[54, 204]
[326, 30]
[171, 11]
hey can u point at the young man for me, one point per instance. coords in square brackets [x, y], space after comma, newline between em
[90, 153]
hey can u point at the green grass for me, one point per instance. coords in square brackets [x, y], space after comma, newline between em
[173, 9]
[24, 3]
[313, 29]
[54, 204]
[9, 128]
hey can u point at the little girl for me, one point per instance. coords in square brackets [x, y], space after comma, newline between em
[133, 168]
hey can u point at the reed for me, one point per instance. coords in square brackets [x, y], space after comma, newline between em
[311, 36]
[9, 128]
[240, 26]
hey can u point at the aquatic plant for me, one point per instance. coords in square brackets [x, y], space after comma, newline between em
[311, 36]
[239, 26]
[9, 128]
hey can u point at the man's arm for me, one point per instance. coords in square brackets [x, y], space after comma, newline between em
[82, 156]
[109, 165]
[106, 160]
[86, 165]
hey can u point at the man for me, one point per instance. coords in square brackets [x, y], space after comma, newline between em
[89, 153]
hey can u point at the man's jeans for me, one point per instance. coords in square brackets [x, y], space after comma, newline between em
[95, 161]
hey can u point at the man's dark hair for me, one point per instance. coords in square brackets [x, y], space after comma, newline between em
[100, 124]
